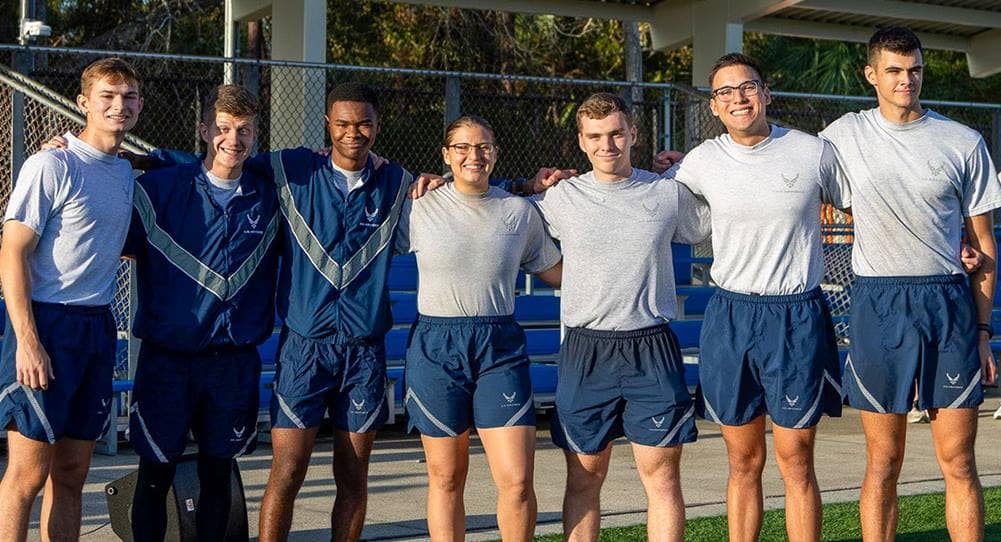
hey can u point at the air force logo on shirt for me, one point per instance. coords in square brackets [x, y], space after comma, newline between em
[371, 218]
[254, 222]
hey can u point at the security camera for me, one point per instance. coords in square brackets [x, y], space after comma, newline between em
[35, 29]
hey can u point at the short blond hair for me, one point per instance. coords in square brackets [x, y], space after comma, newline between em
[601, 105]
[233, 100]
[114, 69]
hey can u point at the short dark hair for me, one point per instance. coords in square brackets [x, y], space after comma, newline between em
[896, 39]
[233, 100]
[735, 59]
[353, 92]
[602, 104]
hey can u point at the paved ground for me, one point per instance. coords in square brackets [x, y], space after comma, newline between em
[396, 506]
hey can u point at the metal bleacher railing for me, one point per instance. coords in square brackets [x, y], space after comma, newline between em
[533, 117]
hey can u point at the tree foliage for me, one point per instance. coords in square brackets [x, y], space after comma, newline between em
[411, 36]
[178, 26]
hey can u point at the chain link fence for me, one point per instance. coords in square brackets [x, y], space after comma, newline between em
[533, 117]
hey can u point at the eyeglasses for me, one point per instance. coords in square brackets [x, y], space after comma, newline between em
[462, 149]
[747, 88]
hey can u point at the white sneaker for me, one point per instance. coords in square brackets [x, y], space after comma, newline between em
[997, 413]
[918, 416]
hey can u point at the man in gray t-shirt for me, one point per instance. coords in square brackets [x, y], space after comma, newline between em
[917, 178]
[768, 344]
[63, 234]
[621, 371]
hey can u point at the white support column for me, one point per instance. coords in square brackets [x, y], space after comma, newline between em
[984, 54]
[671, 26]
[230, 37]
[298, 32]
[714, 34]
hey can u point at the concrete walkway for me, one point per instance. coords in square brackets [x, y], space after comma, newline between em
[398, 479]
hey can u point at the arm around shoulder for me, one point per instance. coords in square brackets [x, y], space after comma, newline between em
[553, 276]
[694, 219]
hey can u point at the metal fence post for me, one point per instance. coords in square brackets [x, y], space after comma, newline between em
[666, 132]
[453, 103]
[134, 343]
[18, 143]
[996, 135]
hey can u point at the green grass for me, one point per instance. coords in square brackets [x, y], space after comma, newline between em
[921, 520]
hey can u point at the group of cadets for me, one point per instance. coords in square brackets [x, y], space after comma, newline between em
[224, 240]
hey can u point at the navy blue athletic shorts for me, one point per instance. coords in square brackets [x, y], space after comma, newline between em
[768, 353]
[907, 329]
[346, 377]
[80, 341]
[212, 393]
[467, 371]
[621, 383]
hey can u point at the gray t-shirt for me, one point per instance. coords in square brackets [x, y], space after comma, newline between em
[765, 203]
[912, 184]
[469, 249]
[347, 180]
[79, 202]
[616, 241]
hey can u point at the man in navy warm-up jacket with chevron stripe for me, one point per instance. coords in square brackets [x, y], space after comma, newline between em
[204, 236]
[341, 213]
[340, 216]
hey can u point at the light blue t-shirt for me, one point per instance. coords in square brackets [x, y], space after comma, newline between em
[79, 202]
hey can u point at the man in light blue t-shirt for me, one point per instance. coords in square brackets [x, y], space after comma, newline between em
[917, 180]
[63, 234]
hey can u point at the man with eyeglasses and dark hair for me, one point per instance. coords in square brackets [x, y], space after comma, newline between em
[917, 179]
[768, 343]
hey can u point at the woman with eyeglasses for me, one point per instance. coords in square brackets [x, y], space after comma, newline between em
[466, 362]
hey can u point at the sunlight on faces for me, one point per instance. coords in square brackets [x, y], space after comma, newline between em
[353, 127]
[111, 106]
[897, 78]
[608, 143]
[744, 114]
[473, 168]
[230, 140]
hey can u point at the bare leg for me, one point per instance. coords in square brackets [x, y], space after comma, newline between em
[448, 465]
[351, 455]
[291, 450]
[954, 432]
[582, 499]
[794, 453]
[885, 438]
[658, 469]
[28, 463]
[745, 450]
[511, 454]
[61, 501]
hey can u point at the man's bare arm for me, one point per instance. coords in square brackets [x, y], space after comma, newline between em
[545, 179]
[33, 366]
[553, 276]
[980, 230]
